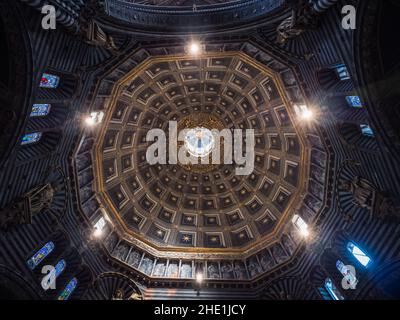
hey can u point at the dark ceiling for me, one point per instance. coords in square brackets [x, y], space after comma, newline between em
[181, 2]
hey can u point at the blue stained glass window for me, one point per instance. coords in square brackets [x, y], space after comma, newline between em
[354, 101]
[40, 110]
[49, 81]
[360, 255]
[342, 72]
[31, 138]
[367, 131]
[324, 294]
[332, 290]
[53, 274]
[38, 257]
[60, 266]
[347, 274]
[68, 290]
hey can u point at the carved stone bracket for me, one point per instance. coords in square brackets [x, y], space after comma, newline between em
[22, 209]
[304, 16]
[90, 30]
[380, 204]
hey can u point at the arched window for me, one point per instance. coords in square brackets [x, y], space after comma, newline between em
[301, 225]
[367, 131]
[99, 227]
[49, 279]
[38, 257]
[95, 118]
[334, 293]
[354, 101]
[30, 138]
[341, 72]
[40, 110]
[335, 77]
[68, 290]
[357, 253]
[348, 274]
[49, 81]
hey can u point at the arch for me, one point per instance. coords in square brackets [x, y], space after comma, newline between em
[340, 243]
[40, 255]
[60, 242]
[318, 278]
[73, 268]
[116, 286]
[55, 273]
[4, 62]
[56, 86]
[83, 278]
[382, 284]
[201, 17]
[16, 67]
[289, 288]
[352, 134]
[69, 262]
[46, 144]
[378, 68]
[335, 78]
[329, 261]
[46, 116]
[331, 289]
[13, 286]
[339, 107]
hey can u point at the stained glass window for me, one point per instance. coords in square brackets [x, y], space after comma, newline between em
[49, 81]
[40, 110]
[53, 274]
[360, 255]
[347, 274]
[332, 290]
[60, 266]
[68, 290]
[31, 138]
[354, 101]
[324, 294]
[342, 72]
[38, 257]
[367, 131]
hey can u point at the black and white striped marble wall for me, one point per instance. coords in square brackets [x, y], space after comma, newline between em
[59, 53]
[328, 45]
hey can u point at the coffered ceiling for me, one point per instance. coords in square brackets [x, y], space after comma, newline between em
[164, 215]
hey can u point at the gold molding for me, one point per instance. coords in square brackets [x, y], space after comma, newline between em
[177, 252]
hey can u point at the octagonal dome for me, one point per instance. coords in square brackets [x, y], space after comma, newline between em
[185, 214]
